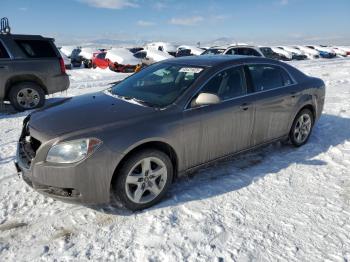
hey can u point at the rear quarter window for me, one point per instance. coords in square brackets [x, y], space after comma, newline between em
[37, 48]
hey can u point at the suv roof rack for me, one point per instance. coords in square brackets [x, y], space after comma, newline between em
[5, 26]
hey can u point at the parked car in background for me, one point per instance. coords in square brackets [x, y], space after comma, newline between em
[151, 56]
[269, 53]
[122, 60]
[215, 50]
[67, 50]
[193, 50]
[87, 54]
[143, 132]
[309, 52]
[135, 49]
[31, 67]
[183, 52]
[75, 58]
[296, 53]
[324, 51]
[285, 55]
[66, 60]
[99, 60]
[338, 51]
[345, 48]
[162, 46]
[247, 50]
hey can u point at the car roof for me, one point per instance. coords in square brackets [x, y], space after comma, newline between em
[27, 37]
[215, 60]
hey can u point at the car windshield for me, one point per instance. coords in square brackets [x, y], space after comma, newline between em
[213, 51]
[158, 85]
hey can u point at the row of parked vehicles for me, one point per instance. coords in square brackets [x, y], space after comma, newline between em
[131, 59]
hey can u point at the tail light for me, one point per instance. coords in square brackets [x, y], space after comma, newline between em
[62, 66]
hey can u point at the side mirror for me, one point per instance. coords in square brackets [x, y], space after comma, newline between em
[206, 99]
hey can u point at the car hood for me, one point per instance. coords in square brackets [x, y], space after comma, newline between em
[95, 110]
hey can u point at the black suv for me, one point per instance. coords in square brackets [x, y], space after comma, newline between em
[30, 68]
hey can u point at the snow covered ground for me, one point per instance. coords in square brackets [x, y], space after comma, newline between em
[277, 203]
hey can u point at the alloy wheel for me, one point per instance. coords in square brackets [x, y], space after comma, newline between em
[302, 128]
[146, 180]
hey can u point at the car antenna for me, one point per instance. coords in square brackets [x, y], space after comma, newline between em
[5, 26]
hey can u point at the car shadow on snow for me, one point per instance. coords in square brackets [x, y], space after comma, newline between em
[240, 171]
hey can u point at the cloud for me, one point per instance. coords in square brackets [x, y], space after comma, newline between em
[186, 21]
[23, 9]
[221, 17]
[110, 4]
[145, 23]
[159, 6]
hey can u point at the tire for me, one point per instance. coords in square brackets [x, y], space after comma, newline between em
[26, 96]
[302, 127]
[138, 187]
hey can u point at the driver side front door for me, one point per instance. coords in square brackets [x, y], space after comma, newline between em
[214, 131]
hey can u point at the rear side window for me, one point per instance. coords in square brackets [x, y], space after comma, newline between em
[3, 52]
[227, 84]
[267, 77]
[36, 48]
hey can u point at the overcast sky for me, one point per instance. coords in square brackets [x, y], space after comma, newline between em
[188, 21]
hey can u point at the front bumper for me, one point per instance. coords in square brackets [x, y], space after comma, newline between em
[86, 182]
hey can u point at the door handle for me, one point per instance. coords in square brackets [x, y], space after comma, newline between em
[244, 106]
[293, 94]
[3, 67]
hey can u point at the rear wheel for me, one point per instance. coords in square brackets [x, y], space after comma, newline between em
[26, 96]
[301, 128]
[143, 180]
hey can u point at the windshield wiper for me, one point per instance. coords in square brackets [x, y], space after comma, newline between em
[143, 102]
[137, 100]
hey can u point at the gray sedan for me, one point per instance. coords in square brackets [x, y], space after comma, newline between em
[131, 141]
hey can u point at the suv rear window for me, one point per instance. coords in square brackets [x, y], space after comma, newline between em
[3, 52]
[36, 48]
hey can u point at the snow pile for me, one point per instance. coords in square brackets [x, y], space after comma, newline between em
[88, 52]
[67, 50]
[194, 50]
[157, 55]
[122, 56]
[276, 203]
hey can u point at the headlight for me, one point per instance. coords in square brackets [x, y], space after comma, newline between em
[72, 151]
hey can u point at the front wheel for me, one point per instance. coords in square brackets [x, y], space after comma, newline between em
[26, 96]
[143, 179]
[301, 128]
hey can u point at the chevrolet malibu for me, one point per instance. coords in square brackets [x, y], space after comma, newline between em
[130, 142]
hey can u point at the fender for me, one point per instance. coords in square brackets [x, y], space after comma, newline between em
[304, 100]
[23, 78]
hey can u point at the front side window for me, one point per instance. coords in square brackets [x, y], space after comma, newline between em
[227, 84]
[36, 48]
[267, 77]
[3, 52]
[158, 85]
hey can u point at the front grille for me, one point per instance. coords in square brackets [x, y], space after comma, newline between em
[28, 145]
